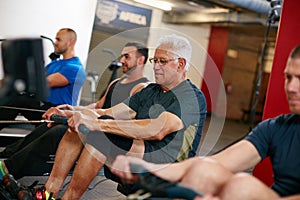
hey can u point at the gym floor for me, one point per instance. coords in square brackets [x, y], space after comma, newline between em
[216, 136]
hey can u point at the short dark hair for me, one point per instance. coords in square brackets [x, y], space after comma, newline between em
[70, 31]
[295, 53]
[141, 48]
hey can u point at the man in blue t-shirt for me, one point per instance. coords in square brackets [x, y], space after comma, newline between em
[221, 176]
[65, 78]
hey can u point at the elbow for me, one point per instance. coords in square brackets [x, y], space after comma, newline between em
[169, 127]
[158, 137]
[161, 134]
[49, 83]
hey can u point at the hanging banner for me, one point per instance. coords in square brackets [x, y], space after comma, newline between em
[113, 16]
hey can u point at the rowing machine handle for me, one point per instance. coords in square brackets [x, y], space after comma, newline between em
[58, 119]
[83, 129]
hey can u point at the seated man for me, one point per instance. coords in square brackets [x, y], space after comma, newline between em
[221, 176]
[150, 124]
[65, 78]
[29, 156]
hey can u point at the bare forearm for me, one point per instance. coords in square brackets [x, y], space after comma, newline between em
[232, 160]
[90, 106]
[172, 172]
[119, 111]
[145, 129]
[128, 128]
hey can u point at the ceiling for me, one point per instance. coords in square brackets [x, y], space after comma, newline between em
[246, 17]
[224, 12]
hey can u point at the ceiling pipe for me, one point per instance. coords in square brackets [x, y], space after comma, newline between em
[261, 9]
[259, 6]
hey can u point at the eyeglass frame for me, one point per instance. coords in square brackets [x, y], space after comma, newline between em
[158, 61]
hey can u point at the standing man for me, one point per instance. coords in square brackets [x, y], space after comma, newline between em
[151, 124]
[221, 176]
[65, 78]
[30, 156]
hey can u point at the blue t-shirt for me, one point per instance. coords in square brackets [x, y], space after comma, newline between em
[73, 70]
[279, 138]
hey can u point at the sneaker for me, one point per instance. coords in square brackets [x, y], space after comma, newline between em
[20, 192]
[34, 194]
[4, 194]
[11, 185]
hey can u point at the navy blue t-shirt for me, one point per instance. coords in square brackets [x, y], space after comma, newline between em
[279, 138]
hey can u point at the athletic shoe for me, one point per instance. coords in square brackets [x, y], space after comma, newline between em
[34, 194]
[11, 185]
[4, 194]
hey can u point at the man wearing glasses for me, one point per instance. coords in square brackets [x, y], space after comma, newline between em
[161, 123]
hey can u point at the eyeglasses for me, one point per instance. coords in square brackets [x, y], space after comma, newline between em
[161, 61]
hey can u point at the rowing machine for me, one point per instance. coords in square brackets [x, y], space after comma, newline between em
[153, 186]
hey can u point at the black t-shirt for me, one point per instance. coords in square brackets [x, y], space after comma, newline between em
[188, 103]
[119, 91]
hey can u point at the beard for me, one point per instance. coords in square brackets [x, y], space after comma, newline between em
[59, 51]
[127, 70]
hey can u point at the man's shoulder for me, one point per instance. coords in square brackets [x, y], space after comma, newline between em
[286, 119]
[74, 61]
[151, 85]
[280, 122]
[138, 87]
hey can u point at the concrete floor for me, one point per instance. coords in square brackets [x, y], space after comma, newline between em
[217, 134]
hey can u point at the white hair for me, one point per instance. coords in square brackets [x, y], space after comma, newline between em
[179, 45]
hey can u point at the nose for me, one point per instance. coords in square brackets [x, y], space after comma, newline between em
[156, 66]
[122, 59]
[293, 85]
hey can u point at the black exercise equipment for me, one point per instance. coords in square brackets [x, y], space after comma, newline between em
[153, 186]
[23, 65]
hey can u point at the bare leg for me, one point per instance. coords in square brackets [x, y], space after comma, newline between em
[87, 167]
[84, 173]
[206, 176]
[245, 186]
[66, 155]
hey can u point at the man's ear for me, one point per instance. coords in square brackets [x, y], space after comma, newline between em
[181, 63]
[141, 60]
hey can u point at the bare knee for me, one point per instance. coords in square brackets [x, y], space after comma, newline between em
[206, 176]
[245, 186]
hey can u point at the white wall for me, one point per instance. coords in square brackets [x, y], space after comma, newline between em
[32, 18]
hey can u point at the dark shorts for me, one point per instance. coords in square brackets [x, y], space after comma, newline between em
[108, 144]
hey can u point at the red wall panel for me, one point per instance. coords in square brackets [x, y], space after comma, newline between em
[216, 54]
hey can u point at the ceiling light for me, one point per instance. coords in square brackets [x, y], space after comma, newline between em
[192, 3]
[163, 5]
[216, 10]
